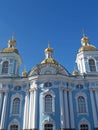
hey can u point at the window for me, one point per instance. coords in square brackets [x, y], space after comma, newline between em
[16, 106]
[14, 127]
[17, 88]
[84, 127]
[48, 84]
[5, 67]
[81, 104]
[92, 65]
[48, 127]
[48, 103]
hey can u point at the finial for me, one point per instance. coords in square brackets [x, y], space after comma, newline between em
[83, 31]
[24, 68]
[48, 44]
[13, 35]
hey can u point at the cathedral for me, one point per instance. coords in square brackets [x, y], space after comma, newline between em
[48, 97]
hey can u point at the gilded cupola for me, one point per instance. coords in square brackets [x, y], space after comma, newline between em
[11, 46]
[48, 54]
[86, 46]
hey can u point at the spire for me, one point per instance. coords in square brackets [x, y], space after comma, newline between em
[85, 40]
[48, 51]
[83, 32]
[13, 35]
[24, 73]
[12, 42]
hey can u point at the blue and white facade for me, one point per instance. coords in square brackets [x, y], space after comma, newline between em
[48, 97]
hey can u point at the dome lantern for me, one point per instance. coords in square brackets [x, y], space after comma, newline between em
[48, 51]
[12, 42]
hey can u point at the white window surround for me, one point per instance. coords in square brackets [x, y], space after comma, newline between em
[14, 122]
[85, 97]
[12, 99]
[84, 121]
[92, 67]
[48, 120]
[3, 70]
[49, 92]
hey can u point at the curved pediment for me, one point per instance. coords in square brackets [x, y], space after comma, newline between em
[48, 69]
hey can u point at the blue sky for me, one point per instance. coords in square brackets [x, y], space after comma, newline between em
[35, 22]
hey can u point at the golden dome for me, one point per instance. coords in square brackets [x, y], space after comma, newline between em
[75, 72]
[12, 41]
[10, 50]
[49, 60]
[47, 50]
[24, 74]
[87, 48]
[85, 39]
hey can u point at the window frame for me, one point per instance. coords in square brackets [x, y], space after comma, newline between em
[11, 108]
[5, 67]
[14, 122]
[81, 104]
[86, 105]
[92, 65]
[51, 93]
[48, 120]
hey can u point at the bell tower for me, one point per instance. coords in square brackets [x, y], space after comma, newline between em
[10, 59]
[87, 57]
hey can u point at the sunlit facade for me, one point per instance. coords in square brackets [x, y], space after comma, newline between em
[48, 97]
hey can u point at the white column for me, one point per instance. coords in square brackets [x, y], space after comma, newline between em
[34, 120]
[66, 110]
[31, 109]
[71, 110]
[94, 109]
[0, 100]
[96, 96]
[4, 110]
[26, 111]
[62, 109]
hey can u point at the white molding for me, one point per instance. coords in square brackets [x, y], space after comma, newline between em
[14, 122]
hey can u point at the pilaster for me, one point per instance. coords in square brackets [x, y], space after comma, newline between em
[26, 111]
[94, 109]
[3, 111]
[62, 110]
[66, 110]
[71, 110]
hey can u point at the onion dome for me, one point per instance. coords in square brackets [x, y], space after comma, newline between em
[11, 46]
[48, 53]
[48, 50]
[75, 72]
[86, 46]
[10, 50]
[85, 40]
[25, 74]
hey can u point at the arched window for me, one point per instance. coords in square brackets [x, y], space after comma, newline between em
[16, 106]
[48, 126]
[84, 127]
[5, 67]
[48, 103]
[14, 127]
[81, 104]
[92, 65]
